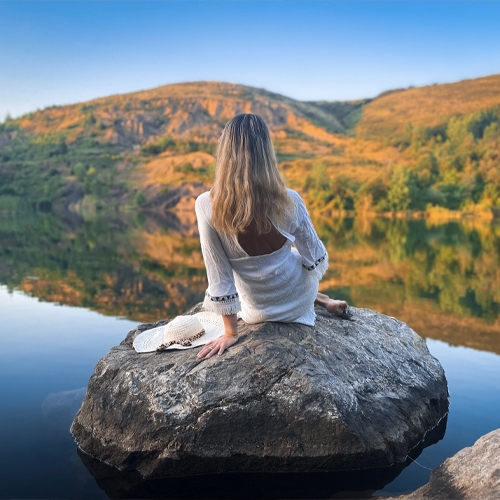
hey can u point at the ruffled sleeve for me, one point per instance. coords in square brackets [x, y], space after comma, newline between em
[221, 296]
[310, 247]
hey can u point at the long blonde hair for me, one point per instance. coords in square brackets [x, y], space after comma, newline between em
[248, 188]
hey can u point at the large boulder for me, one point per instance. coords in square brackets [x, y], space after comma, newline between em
[360, 483]
[470, 474]
[286, 398]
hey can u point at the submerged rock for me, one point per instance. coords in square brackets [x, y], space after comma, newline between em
[56, 401]
[286, 398]
[472, 473]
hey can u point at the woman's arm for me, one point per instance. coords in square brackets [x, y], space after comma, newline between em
[311, 248]
[218, 346]
[230, 323]
[221, 296]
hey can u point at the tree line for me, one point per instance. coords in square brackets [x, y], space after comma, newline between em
[455, 166]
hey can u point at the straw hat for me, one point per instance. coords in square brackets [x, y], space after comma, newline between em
[183, 332]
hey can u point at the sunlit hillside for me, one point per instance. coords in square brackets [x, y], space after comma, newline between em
[181, 111]
[430, 106]
[140, 148]
[431, 149]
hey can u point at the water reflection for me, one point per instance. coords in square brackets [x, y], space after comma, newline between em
[345, 484]
[444, 280]
[139, 270]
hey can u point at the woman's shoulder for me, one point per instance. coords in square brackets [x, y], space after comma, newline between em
[203, 202]
[298, 202]
[294, 195]
[203, 208]
[293, 215]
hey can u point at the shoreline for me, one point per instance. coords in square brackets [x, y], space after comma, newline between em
[437, 214]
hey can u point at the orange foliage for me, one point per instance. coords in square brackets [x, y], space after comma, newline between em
[166, 168]
[170, 250]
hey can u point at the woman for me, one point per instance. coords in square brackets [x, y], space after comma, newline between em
[248, 222]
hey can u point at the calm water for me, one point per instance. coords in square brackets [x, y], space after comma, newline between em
[69, 290]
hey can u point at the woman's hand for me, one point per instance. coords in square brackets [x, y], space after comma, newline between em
[217, 346]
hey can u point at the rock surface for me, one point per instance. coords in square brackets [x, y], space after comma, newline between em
[286, 398]
[472, 473]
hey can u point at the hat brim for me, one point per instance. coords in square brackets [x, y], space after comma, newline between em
[150, 340]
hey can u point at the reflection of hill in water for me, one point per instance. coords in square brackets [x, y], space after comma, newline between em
[116, 267]
[345, 484]
[444, 280]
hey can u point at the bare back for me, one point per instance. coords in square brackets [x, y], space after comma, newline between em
[262, 244]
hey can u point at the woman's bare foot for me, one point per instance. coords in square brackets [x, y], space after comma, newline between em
[336, 307]
[333, 306]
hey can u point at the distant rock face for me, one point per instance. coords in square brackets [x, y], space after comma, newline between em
[286, 398]
[473, 473]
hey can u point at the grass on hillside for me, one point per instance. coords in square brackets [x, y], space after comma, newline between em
[387, 117]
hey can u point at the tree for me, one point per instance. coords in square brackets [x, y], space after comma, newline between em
[139, 198]
[318, 184]
[398, 196]
[372, 195]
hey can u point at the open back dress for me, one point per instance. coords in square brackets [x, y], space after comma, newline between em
[277, 286]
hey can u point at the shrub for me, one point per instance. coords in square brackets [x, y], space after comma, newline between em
[159, 146]
[139, 198]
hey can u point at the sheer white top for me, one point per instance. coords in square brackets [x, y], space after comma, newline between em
[279, 286]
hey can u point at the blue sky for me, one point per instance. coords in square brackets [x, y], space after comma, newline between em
[64, 52]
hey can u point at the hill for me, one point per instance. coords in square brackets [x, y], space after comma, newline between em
[429, 106]
[152, 148]
[409, 149]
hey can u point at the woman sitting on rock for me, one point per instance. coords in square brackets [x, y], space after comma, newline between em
[248, 222]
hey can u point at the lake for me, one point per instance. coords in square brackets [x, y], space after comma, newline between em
[71, 289]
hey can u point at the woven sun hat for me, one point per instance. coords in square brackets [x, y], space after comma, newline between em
[183, 332]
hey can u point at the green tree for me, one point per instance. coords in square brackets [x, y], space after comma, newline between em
[88, 182]
[318, 184]
[454, 195]
[457, 130]
[139, 198]
[80, 171]
[372, 195]
[398, 196]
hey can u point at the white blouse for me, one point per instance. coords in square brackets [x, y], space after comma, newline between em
[280, 286]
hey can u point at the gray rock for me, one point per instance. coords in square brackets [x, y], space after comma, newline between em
[359, 483]
[286, 398]
[472, 473]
